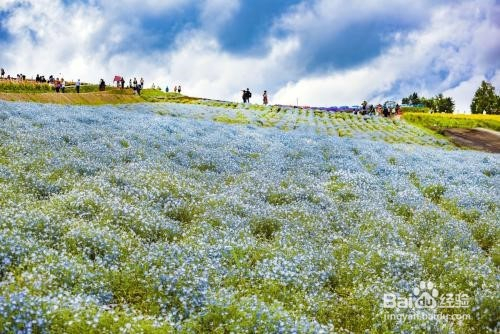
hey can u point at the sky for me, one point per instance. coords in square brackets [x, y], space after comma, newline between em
[310, 52]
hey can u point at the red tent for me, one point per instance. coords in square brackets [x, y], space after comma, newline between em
[117, 78]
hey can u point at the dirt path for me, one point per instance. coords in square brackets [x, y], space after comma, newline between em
[478, 139]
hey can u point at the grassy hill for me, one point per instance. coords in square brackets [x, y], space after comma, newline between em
[72, 98]
[443, 121]
[211, 216]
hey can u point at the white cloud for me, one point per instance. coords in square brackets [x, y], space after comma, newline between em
[452, 43]
[95, 40]
[216, 12]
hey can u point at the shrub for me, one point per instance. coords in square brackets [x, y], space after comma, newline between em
[279, 198]
[434, 193]
[264, 228]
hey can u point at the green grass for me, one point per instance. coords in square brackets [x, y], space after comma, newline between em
[83, 89]
[415, 110]
[155, 95]
[264, 228]
[239, 119]
[441, 121]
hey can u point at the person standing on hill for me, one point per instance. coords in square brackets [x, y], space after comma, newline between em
[248, 95]
[264, 98]
[179, 89]
[57, 85]
[175, 89]
[166, 90]
[398, 109]
[142, 83]
[63, 85]
[102, 85]
[122, 81]
[364, 109]
[386, 111]
[77, 86]
[2, 72]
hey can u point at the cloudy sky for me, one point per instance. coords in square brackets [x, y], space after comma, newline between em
[321, 52]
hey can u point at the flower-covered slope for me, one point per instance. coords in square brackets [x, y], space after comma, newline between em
[160, 218]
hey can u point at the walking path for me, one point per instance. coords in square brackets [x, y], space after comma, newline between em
[478, 138]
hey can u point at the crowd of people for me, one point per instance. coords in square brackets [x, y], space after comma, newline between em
[19, 77]
[387, 109]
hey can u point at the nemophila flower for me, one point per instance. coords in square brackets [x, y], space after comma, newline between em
[164, 215]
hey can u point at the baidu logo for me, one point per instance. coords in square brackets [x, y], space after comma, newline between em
[426, 296]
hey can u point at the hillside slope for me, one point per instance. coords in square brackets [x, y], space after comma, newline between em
[93, 98]
[161, 218]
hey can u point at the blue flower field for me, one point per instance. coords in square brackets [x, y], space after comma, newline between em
[212, 217]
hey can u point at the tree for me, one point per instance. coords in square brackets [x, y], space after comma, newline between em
[444, 104]
[428, 103]
[412, 99]
[485, 100]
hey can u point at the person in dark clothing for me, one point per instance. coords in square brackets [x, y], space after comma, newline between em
[386, 111]
[244, 96]
[371, 109]
[2, 72]
[264, 98]
[179, 89]
[138, 89]
[122, 81]
[248, 95]
[102, 85]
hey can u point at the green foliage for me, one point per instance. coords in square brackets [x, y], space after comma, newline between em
[443, 104]
[206, 166]
[155, 95]
[83, 89]
[264, 228]
[124, 143]
[403, 210]
[66, 321]
[275, 198]
[239, 119]
[434, 121]
[416, 109]
[347, 195]
[434, 192]
[412, 99]
[185, 213]
[439, 103]
[24, 87]
[485, 100]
